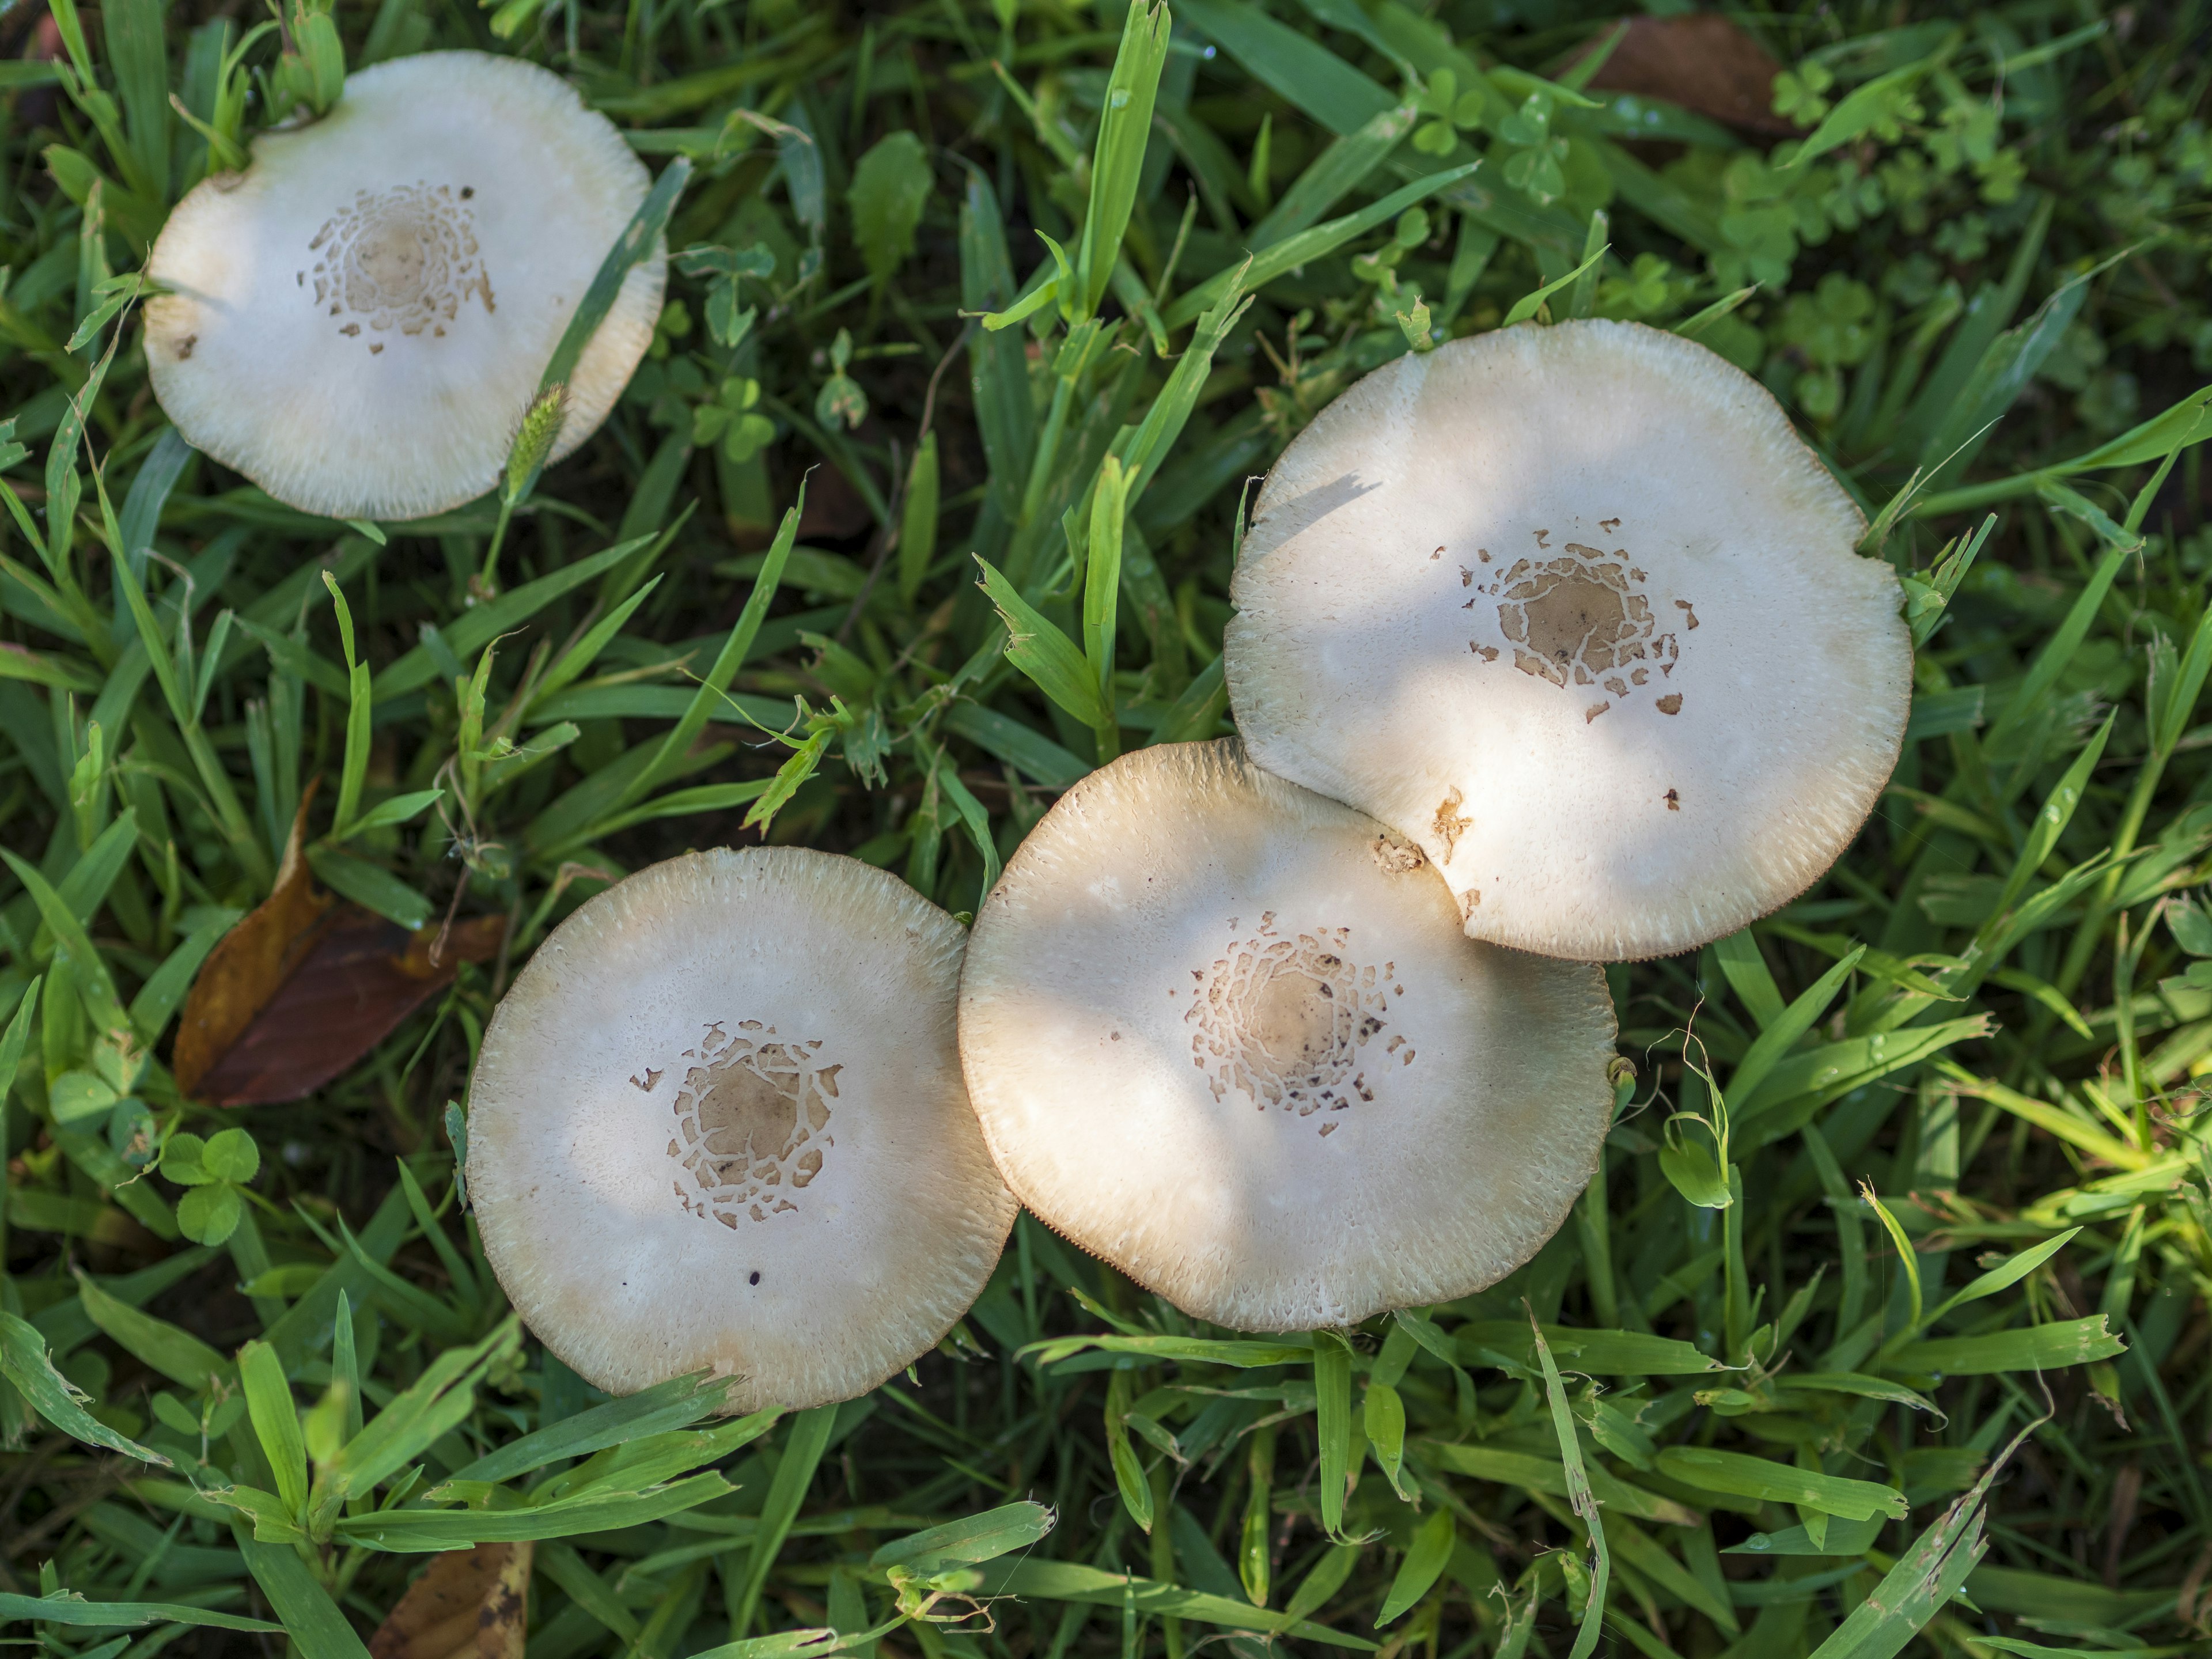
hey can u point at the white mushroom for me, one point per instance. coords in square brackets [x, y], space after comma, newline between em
[1575, 609]
[358, 321]
[1227, 1034]
[718, 1122]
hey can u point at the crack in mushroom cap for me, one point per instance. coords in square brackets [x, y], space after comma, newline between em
[1577, 611]
[358, 321]
[718, 1122]
[1227, 1034]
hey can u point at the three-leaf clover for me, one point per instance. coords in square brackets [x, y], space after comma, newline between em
[1534, 165]
[214, 1169]
[1964, 239]
[1644, 289]
[1797, 93]
[730, 418]
[1447, 108]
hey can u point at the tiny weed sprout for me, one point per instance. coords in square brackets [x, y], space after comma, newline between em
[1227, 1034]
[1575, 610]
[719, 1122]
[359, 321]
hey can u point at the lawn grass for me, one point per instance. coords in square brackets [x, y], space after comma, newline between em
[1916, 1311]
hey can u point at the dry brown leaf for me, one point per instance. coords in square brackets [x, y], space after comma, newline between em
[361, 976]
[250, 964]
[471, 1604]
[1702, 62]
[305, 986]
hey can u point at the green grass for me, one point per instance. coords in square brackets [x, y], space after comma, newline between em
[1962, 1200]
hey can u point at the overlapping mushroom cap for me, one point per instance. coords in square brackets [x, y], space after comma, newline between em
[1575, 609]
[1227, 1034]
[358, 321]
[718, 1122]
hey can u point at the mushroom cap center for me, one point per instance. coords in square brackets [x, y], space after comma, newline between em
[747, 1116]
[403, 258]
[1580, 617]
[390, 255]
[1576, 616]
[752, 1120]
[1283, 1019]
[1294, 1018]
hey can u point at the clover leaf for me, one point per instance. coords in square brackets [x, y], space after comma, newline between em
[730, 417]
[1534, 167]
[212, 1170]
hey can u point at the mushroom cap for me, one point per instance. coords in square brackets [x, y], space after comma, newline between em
[1226, 1034]
[359, 320]
[718, 1122]
[1577, 611]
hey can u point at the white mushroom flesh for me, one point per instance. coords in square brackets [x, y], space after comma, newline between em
[358, 321]
[718, 1122]
[1227, 1034]
[1575, 609]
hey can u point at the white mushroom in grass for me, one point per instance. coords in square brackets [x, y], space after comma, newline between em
[718, 1121]
[1226, 1034]
[358, 321]
[1575, 609]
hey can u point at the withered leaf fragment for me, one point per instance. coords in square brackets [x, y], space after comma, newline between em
[305, 986]
[471, 1604]
[249, 965]
[1701, 61]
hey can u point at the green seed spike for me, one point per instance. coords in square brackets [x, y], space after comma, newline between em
[533, 442]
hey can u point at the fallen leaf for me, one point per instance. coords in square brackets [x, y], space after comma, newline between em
[250, 964]
[470, 1604]
[361, 976]
[305, 986]
[1702, 62]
